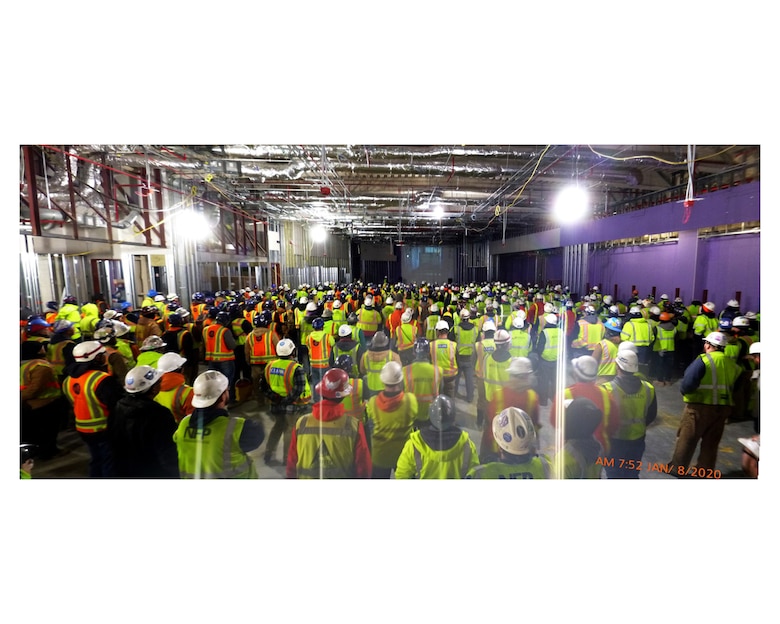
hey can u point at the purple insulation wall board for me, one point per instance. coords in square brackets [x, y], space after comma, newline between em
[729, 264]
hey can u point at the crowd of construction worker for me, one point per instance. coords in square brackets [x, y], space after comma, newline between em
[361, 381]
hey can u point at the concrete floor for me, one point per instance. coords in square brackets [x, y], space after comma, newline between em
[660, 441]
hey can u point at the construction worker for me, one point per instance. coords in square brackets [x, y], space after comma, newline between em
[663, 360]
[148, 299]
[355, 403]
[485, 345]
[581, 451]
[636, 403]
[606, 350]
[90, 317]
[466, 334]
[151, 351]
[93, 393]
[219, 344]
[590, 332]
[439, 449]
[329, 444]
[391, 415]
[141, 431]
[521, 339]
[38, 330]
[374, 360]
[637, 330]
[423, 379]
[369, 319]
[69, 311]
[174, 392]
[51, 312]
[285, 385]
[59, 352]
[444, 353]
[320, 346]
[515, 435]
[180, 339]
[707, 388]
[519, 390]
[260, 348]
[241, 328]
[393, 321]
[704, 324]
[212, 444]
[42, 402]
[117, 363]
[547, 350]
[404, 338]
[346, 345]
[147, 324]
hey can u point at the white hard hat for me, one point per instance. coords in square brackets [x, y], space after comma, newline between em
[732, 303]
[549, 307]
[589, 309]
[87, 351]
[607, 299]
[627, 345]
[399, 305]
[344, 331]
[392, 374]
[303, 300]
[442, 325]
[141, 378]
[368, 302]
[208, 387]
[655, 310]
[716, 339]
[755, 348]
[664, 297]
[285, 347]
[551, 319]
[585, 368]
[389, 300]
[406, 317]
[709, 306]
[502, 337]
[634, 310]
[120, 328]
[741, 321]
[520, 366]
[111, 314]
[170, 362]
[464, 313]
[488, 326]
[182, 312]
[433, 308]
[172, 296]
[514, 431]
[311, 307]
[152, 342]
[518, 322]
[627, 361]
[104, 334]
[337, 304]
[159, 298]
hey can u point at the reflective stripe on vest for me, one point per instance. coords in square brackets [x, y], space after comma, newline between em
[633, 414]
[55, 353]
[51, 390]
[279, 375]
[496, 374]
[174, 399]
[91, 414]
[405, 335]
[422, 380]
[237, 331]
[368, 320]
[484, 348]
[445, 355]
[550, 352]
[664, 340]
[319, 349]
[638, 333]
[326, 449]
[718, 380]
[608, 364]
[373, 369]
[216, 349]
[521, 343]
[464, 465]
[261, 349]
[219, 458]
[466, 339]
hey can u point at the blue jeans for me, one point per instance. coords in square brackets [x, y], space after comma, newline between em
[101, 457]
[227, 368]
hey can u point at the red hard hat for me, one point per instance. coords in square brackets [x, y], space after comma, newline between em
[334, 385]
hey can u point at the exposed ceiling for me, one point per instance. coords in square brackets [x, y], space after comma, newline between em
[393, 192]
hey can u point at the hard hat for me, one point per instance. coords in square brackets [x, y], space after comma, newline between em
[151, 343]
[285, 347]
[614, 310]
[627, 361]
[569, 303]
[169, 362]
[518, 322]
[442, 325]
[488, 326]
[634, 310]
[37, 323]
[159, 298]
[345, 362]
[263, 319]
[612, 324]
[627, 345]
[741, 321]
[209, 387]
[61, 326]
[104, 334]
[724, 324]
[318, 323]
[311, 307]
[585, 368]
[69, 299]
[334, 385]
[549, 307]
[175, 320]
[751, 315]
[391, 374]
[751, 446]
[303, 300]
[607, 300]
[150, 310]
[352, 318]
[755, 348]
[716, 339]
[52, 305]
[464, 313]
[344, 331]
[152, 293]
[120, 329]
[87, 351]
[502, 338]
[442, 412]
[589, 309]
[368, 302]
[399, 305]
[708, 307]
[379, 341]
[678, 300]
[732, 303]
[337, 304]
[111, 314]
[664, 297]
[655, 310]
[434, 309]
[666, 316]
[389, 300]
[551, 319]
[141, 378]
[514, 431]
[422, 348]
[520, 366]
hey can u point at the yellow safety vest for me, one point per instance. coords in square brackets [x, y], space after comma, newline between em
[51, 391]
[551, 336]
[452, 463]
[608, 364]
[521, 343]
[466, 339]
[717, 384]
[175, 399]
[373, 367]
[326, 449]
[279, 376]
[633, 410]
[496, 375]
[444, 353]
[536, 468]
[219, 456]
[391, 430]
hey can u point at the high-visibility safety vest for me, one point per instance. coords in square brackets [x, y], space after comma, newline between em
[126, 351]
[279, 376]
[70, 312]
[498, 403]
[536, 468]
[693, 311]
[551, 336]
[213, 451]
[91, 414]
[372, 365]
[575, 466]
[664, 339]
[589, 336]
[390, 430]
[339, 316]
[326, 448]
[339, 350]
[261, 348]
[483, 348]
[444, 353]
[235, 325]
[405, 335]
[148, 358]
[430, 326]
[637, 331]
[353, 403]
[717, 384]
[196, 309]
[298, 314]
[496, 375]
[368, 320]
[633, 409]
[732, 349]
[704, 325]
[56, 356]
[428, 463]
[175, 400]
[423, 379]
[608, 364]
[51, 390]
[214, 342]
[682, 326]
[521, 343]
[466, 339]
[320, 345]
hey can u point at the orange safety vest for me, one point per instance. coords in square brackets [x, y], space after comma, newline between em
[320, 346]
[262, 349]
[91, 414]
[216, 348]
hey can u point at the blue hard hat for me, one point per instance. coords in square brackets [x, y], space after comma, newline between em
[152, 293]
